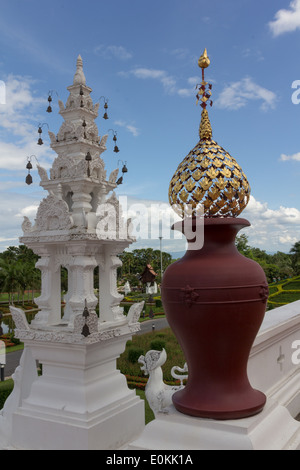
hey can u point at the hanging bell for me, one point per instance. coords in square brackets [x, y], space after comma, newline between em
[28, 179]
[124, 169]
[116, 149]
[29, 165]
[40, 142]
[88, 158]
[120, 180]
[84, 126]
[49, 109]
[105, 116]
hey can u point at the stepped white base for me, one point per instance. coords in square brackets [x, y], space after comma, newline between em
[272, 429]
[81, 401]
[110, 428]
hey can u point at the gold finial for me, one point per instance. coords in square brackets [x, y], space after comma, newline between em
[204, 95]
[205, 130]
[204, 61]
[208, 175]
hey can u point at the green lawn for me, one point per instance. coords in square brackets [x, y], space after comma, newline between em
[149, 415]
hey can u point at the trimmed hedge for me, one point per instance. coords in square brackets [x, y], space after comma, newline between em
[6, 388]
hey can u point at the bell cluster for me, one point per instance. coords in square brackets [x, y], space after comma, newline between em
[88, 156]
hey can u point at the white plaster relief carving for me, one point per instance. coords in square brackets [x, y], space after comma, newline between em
[67, 131]
[19, 318]
[61, 105]
[26, 225]
[42, 173]
[91, 321]
[113, 176]
[53, 214]
[134, 313]
[52, 137]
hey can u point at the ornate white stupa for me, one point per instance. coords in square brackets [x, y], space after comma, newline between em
[68, 231]
[81, 401]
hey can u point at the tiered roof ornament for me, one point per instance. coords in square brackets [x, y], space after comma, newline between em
[208, 175]
[81, 209]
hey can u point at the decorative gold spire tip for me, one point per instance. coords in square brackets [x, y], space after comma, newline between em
[204, 88]
[208, 175]
[205, 130]
[204, 61]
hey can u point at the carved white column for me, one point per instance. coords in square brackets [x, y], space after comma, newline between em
[109, 297]
[81, 203]
[81, 286]
[50, 299]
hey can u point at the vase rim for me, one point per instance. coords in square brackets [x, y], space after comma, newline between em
[238, 221]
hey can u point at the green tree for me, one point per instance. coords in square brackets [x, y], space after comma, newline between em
[295, 252]
[18, 271]
[241, 242]
[134, 262]
[9, 278]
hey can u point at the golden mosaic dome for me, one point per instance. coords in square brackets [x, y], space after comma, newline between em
[208, 176]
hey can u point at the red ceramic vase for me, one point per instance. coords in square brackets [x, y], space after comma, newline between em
[215, 301]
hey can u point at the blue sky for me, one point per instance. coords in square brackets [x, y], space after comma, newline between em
[142, 56]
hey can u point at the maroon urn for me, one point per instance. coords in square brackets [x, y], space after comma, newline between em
[215, 301]
[214, 298]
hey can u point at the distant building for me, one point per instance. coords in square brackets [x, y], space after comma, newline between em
[148, 275]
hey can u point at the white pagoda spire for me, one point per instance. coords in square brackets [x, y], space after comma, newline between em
[79, 77]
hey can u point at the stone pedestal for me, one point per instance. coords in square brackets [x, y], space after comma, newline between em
[81, 402]
[272, 429]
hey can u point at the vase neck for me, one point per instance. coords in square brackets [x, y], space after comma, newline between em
[218, 234]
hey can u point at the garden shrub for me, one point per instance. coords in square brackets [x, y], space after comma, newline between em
[158, 303]
[158, 344]
[134, 354]
[5, 390]
[126, 309]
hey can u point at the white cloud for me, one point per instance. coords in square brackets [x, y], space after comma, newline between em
[28, 211]
[162, 76]
[168, 82]
[190, 90]
[18, 125]
[180, 53]
[252, 54]
[13, 207]
[108, 52]
[286, 20]
[272, 229]
[151, 219]
[295, 156]
[288, 239]
[132, 129]
[238, 94]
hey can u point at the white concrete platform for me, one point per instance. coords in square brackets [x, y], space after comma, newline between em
[272, 429]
